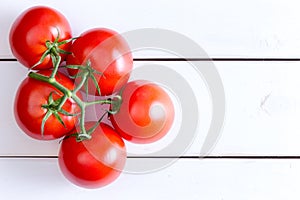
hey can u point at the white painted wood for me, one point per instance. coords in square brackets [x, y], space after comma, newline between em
[262, 102]
[186, 179]
[232, 28]
[262, 110]
[262, 113]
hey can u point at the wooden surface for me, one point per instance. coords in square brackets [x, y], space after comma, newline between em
[255, 47]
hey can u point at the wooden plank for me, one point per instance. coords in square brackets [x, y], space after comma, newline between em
[185, 179]
[262, 110]
[222, 28]
[262, 107]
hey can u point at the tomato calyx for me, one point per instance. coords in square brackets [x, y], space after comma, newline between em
[54, 107]
[53, 49]
[86, 72]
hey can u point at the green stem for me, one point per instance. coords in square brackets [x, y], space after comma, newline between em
[56, 63]
[54, 52]
[104, 101]
[83, 133]
[62, 102]
[83, 80]
[52, 82]
[68, 93]
[39, 77]
[82, 106]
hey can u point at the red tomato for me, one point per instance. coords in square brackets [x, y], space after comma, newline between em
[146, 113]
[29, 111]
[96, 162]
[108, 53]
[32, 29]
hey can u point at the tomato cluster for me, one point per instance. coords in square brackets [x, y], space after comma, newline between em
[50, 103]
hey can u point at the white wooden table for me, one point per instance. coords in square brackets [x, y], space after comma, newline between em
[254, 45]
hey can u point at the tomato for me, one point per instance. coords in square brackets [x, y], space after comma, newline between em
[108, 53]
[29, 111]
[95, 162]
[32, 29]
[146, 113]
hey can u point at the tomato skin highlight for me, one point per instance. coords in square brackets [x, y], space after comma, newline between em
[146, 113]
[30, 31]
[96, 162]
[29, 113]
[108, 53]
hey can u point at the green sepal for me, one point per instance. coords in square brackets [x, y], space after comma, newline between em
[53, 49]
[54, 108]
[57, 116]
[45, 118]
[45, 54]
[67, 113]
[74, 66]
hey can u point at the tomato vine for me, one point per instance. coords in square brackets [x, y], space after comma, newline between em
[49, 104]
[86, 72]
